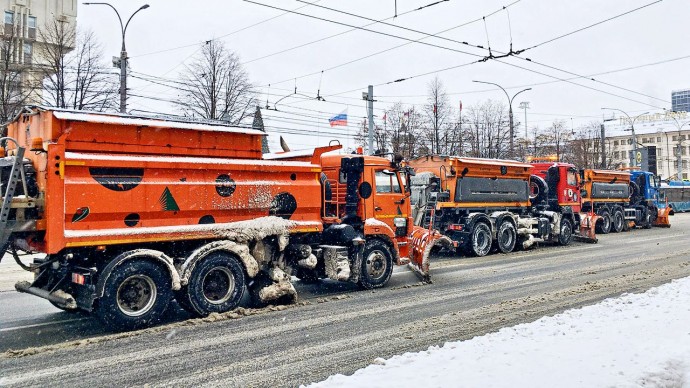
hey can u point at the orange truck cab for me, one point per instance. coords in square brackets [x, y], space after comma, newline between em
[131, 212]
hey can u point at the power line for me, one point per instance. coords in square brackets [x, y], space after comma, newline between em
[491, 56]
[340, 33]
[392, 48]
[592, 25]
[223, 36]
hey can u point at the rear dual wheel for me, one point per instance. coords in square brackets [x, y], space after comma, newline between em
[617, 221]
[135, 295]
[480, 240]
[216, 285]
[506, 237]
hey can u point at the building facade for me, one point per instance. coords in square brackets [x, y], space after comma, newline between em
[680, 100]
[660, 135]
[21, 40]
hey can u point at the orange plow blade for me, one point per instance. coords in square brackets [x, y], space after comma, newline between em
[421, 242]
[588, 222]
[662, 219]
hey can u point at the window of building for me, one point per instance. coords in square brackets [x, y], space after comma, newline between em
[615, 142]
[31, 23]
[9, 17]
[28, 48]
[674, 138]
[658, 139]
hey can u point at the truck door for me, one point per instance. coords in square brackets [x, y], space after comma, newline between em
[389, 197]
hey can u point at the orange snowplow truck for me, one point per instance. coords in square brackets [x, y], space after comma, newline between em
[620, 202]
[485, 203]
[125, 213]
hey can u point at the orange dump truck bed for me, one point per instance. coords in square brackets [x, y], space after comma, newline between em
[110, 179]
[605, 186]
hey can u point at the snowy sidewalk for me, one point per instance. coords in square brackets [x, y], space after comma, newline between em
[636, 340]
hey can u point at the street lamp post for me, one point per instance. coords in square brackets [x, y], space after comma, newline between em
[123, 54]
[510, 111]
[632, 128]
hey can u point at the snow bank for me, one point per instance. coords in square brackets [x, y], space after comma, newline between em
[636, 340]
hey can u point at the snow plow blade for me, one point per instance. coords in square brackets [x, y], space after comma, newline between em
[421, 242]
[587, 233]
[662, 219]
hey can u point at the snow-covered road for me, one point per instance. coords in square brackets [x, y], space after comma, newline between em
[636, 340]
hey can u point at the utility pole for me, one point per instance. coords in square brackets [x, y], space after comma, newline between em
[123, 54]
[510, 113]
[369, 96]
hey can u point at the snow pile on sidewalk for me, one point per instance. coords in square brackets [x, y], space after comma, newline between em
[636, 340]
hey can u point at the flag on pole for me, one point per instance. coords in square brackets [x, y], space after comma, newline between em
[384, 117]
[339, 119]
[460, 105]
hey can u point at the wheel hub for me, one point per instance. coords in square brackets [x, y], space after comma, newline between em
[136, 295]
[218, 285]
[376, 264]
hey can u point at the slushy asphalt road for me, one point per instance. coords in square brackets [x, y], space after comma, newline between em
[337, 329]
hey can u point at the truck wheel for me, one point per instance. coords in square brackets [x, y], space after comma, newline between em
[506, 237]
[604, 224]
[566, 234]
[480, 240]
[377, 264]
[136, 294]
[216, 285]
[618, 221]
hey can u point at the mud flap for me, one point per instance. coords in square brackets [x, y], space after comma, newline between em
[421, 242]
[662, 219]
[586, 233]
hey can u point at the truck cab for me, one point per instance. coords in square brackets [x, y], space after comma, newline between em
[368, 192]
[563, 181]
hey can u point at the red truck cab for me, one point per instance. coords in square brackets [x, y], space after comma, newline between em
[563, 183]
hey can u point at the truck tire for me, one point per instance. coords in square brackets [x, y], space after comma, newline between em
[604, 224]
[617, 221]
[506, 237]
[566, 234]
[377, 265]
[480, 240]
[136, 294]
[216, 285]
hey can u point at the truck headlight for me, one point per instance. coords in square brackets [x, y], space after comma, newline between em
[400, 222]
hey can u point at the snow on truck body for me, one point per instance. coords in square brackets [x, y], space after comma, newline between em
[133, 211]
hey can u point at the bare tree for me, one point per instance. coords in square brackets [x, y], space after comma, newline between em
[487, 130]
[74, 73]
[439, 115]
[16, 86]
[217, 88]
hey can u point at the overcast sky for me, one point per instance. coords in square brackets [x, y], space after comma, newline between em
[653, 34]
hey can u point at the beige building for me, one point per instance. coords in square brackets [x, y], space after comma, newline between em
[656, 130]
[22, 21]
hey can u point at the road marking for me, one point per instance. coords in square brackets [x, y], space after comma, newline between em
[41, 324]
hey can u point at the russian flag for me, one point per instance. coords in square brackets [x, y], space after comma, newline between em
[339, 119]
